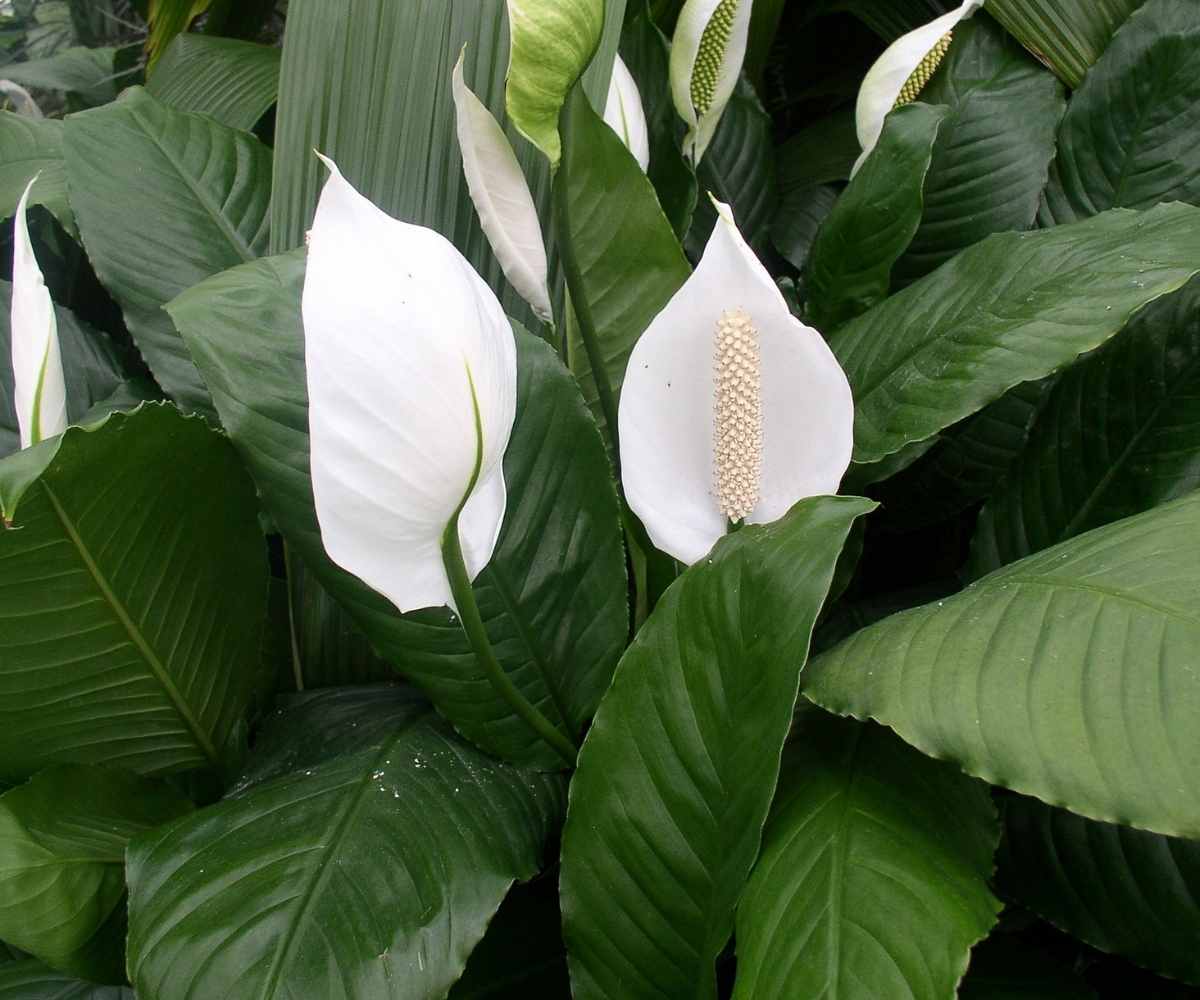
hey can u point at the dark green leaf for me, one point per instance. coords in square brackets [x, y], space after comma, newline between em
[373, 846]
[31, 980]
[91, 73]
[1119, 433]
[872, 881]
[134, 584]
[1126, 891]
[677, 772]
[62, 863]
[31, 146]
[993, 151]
[1017, 307]
[203, 188]
[92, 365]
[605, 205]
[554, 595]
[1069, 675]
[1128, 137]
[819, 153]
[232, 81]
[800, 215]
[873, 220]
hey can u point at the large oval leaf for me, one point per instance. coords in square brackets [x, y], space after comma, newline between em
[872, 881]
[1128, 137]
[232, 81]
[1070, 675]
[1122, 890]
[993, 151]
[1011, 309]
[1119, 433]
[31, 146]
[372, 848]
[134, 592]
[553, 596]
[164, 199]
[677, 772]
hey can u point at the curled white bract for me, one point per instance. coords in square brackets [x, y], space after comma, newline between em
[39, 388]
[412, 380]
[624, 114]
[709, 425]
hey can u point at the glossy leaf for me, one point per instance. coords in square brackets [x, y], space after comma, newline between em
[873, 220]
[677, 772]
[31, 146]
[1127, 138]
[1016, 307]
[553, 596]
[799, 219]
[993, 150]
[332, 650]
[31, 980]
[135, 587]
[1125, 891]
[820, 153]
[62, 863]
[93, 366]
[90, 73]
[231, 81]
[605, 205]
[372, 848]
[1069, 675]
[207, 188]
[1119, 434]
[872, 881]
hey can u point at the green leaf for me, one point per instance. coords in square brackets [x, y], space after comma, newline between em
[605, 205]
[144, 651]
[872, 881]
[819, 153]
[90, 73]
[1125, 891]
[373, 846]
[1119, 434]
[890, 19]
[676, 775]
[552, 43]
[62, 863]
[206, 189]
[1126, 140]
[231, 81]
[554, 595]
[167, 18]
[1014, 308]
[390, 124]
[1069, 675]
[1003, 969]
[993, 151]
[796, 224]
[873, 220]
[31, 146]
[31, 980]
[93, 367]
[1067, 35]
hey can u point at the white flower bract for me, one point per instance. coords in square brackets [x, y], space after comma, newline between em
[624, 114]
[412, 378]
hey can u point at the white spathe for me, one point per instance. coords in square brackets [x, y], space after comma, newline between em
[501, 196]
[21, 100]
[666, 412]
[886, 78]
[722, 65]
[39, 388]
[406, 349]
[624, 114]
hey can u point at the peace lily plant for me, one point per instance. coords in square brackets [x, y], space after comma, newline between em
[624, 114]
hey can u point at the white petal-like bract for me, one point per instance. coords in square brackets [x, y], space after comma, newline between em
[886, 78]
[666, 417]
[39, 389]
[624, 114]
[501, 197]
[21, 100]
[412, 381]
[707, 51]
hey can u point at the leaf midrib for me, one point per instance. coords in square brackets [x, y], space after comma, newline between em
[156, 666]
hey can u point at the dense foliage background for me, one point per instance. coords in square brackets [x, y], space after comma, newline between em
[230, 769]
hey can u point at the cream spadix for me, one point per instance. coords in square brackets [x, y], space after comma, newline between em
[898, 76]
[39, 388]
[707, 51]
[623, 113]
[412, 380]
[501, 197]
[731, 408]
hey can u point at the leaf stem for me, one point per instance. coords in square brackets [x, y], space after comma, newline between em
[289, 571]
[472, 623]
